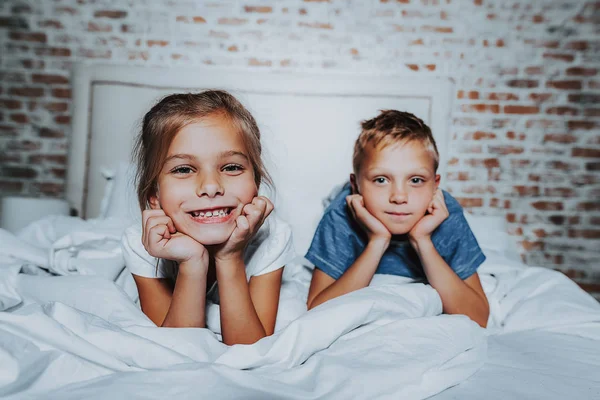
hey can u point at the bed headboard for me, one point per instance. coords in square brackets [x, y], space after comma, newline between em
[308, 123]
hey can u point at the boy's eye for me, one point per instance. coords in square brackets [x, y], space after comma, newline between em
[233, 168]
[380, 180]
[182, 170]
[416, 181]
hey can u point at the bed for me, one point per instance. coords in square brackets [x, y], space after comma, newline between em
[70, 327]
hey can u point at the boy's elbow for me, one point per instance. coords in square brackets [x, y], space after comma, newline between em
[484, 314]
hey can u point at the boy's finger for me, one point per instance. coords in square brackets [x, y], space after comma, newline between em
[351, 206]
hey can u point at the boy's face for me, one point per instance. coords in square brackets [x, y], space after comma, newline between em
[397, 183]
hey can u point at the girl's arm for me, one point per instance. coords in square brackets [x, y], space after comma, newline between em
[180, 306]
[248, 310]
[264, 291]
[458, 297]
[359, 275]
[155, 297]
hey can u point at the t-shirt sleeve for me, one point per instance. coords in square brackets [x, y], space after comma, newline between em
[464, 255]
[331, 249]
[137, 259]
[271, 248]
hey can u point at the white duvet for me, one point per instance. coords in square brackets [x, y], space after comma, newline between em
[80, 335]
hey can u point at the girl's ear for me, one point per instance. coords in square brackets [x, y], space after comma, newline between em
[154, 203]
[353, 185]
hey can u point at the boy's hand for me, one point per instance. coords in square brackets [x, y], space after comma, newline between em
[250, 219]
[437, 213]
[161, 240]
[372, 226]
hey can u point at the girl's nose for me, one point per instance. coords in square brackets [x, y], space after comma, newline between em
[210, 186]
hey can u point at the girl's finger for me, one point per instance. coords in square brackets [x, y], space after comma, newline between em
[146, 214]
[160, 220]
[239, 210]
[156, 235]
[270, 206]
[266, 211]
[243, 225]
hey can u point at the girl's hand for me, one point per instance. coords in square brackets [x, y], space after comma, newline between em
[372, 226]
[250, 219]
[161, 240]
[437, 213]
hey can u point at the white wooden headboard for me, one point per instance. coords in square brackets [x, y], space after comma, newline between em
[308, 123]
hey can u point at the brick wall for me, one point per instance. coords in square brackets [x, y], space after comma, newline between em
[526, 138]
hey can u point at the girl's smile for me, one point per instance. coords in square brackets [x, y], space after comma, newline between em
[212, 216]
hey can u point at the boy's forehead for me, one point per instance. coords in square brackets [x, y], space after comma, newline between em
[413, 154]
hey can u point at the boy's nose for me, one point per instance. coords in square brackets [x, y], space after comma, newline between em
[209, 186]
[398, 195]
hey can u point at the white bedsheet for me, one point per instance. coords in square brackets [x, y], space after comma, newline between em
[81, 336]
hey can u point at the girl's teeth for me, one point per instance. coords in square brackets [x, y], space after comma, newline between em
[215, 213]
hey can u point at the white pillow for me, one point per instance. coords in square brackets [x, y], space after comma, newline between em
[122, 202]
[492, 234]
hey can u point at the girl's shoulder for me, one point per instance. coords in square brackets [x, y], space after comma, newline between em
[138, 261]
[271, 247]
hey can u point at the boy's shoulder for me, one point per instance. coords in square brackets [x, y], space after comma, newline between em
[336, 201]
[452, 204]
[455, 225]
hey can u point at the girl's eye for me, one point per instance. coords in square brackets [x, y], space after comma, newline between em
[233, 168]
[182, 170]
[416, 181]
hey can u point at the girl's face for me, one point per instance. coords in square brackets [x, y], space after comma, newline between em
[206, 175]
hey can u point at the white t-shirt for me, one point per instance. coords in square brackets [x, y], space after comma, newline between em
[270, 249]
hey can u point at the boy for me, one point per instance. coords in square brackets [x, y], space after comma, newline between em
[392, 219]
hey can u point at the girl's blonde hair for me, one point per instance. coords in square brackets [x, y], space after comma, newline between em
[174, 112]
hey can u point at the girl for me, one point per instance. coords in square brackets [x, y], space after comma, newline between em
[203, 222]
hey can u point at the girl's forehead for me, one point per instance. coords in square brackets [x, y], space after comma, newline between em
[207, 137]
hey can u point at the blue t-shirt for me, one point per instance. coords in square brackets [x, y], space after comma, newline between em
[339, 241]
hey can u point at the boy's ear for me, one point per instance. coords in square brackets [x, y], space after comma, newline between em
[437, 181]
[353, 185]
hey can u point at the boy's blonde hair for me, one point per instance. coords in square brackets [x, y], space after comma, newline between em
[392, 126]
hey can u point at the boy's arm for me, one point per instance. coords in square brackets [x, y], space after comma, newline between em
[359, 275]
[458, 296]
